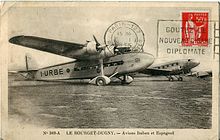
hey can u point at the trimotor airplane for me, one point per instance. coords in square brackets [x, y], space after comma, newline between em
[172, 69]
[96, 62]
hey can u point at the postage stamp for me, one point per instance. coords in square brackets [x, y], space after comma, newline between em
[195, 29]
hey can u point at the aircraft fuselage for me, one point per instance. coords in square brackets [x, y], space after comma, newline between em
[120, 64]
[173, 67]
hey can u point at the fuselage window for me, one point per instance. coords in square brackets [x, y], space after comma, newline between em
[83, 68]
[97, 66]
[172, 65]
[120, 63]
[76, 69]
[113, 63]
[177, 63]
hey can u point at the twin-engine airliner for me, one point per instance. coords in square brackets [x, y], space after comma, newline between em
[172, 69]
[94, 61]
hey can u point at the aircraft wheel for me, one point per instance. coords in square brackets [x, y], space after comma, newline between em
[180, 79]
[127, 80]
[171, 79]
[100, 81]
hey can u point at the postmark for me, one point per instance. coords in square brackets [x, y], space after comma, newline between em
[195, 29]
[125, 33]
[190, 34]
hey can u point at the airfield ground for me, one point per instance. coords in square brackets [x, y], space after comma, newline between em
[145, 103]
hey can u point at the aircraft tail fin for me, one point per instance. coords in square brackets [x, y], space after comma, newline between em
[30, 63]
[31, 68]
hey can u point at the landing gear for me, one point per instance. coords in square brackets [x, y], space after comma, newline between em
[101, 80]
[170, 79]
[180, 78]
[126, 79]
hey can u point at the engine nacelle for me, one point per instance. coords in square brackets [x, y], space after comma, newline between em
[108, 52]
[101, 52]
[91, 48]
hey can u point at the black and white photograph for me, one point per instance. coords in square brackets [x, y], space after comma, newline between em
[130, 67]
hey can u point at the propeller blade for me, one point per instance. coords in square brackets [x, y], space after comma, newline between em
[96, 41]
[99, 47]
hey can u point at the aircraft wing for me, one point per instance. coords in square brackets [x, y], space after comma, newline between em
[203, 74]
[22, 71]
[48, 45]
[152, 71]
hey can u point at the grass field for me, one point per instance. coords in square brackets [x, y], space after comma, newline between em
[145, 103]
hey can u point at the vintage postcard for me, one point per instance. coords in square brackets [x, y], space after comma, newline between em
[109, 70]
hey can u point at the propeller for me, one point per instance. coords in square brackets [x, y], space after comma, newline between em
[99, 47]
[96, 41]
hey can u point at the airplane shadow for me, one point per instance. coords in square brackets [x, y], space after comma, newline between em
[164, 81]
[158, 80]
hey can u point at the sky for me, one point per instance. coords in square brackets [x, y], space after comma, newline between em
[78, 23]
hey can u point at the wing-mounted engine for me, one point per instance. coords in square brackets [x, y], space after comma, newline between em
[94, 48]
[91, 47]
[97, 51]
